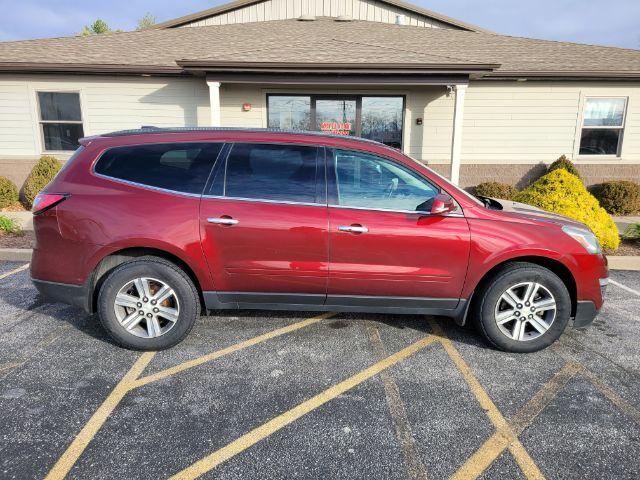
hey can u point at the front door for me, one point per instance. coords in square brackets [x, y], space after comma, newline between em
[336, 115]
[264, 225]
[383, 241]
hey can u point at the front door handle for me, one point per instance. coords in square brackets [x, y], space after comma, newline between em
[223, 221]
[353, 228]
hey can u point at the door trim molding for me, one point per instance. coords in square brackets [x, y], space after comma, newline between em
[448, 307]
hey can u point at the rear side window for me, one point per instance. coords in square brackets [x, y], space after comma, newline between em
[272, 172]
[181, 167]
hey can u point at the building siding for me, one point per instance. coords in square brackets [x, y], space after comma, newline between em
[511, 129]
[369, 10]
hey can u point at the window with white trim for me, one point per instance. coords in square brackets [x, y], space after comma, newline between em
[602, 126]
[60, 120]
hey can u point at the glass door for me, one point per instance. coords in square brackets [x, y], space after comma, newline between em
[336, 115]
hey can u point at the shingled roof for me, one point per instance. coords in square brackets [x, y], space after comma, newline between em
[324, 44]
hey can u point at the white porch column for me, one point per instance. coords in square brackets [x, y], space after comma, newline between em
[214, 102]
[456, 143]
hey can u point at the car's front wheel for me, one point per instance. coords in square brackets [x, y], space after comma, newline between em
[148, 304]
[522, 308]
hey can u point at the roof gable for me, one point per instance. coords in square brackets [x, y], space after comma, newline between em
[385, 11]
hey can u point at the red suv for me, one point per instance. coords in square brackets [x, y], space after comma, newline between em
[150, 227]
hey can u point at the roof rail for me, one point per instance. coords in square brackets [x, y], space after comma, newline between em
[149, 129]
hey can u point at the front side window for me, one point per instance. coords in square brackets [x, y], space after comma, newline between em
[602, 126]
[60, 120]
[376, 183]
[181, 167]
[285, 173]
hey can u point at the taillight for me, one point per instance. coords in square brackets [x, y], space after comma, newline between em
[45, 201]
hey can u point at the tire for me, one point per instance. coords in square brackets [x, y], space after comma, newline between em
[138, 287]
[507, 293]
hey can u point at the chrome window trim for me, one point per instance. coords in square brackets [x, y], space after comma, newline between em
[264, 200]
[147, 187]
[418, 212]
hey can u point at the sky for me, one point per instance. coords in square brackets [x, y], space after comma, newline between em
[610, 22]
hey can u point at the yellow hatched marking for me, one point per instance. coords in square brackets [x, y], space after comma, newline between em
[505, 436]
[131, 381]
[79, 444]
[226, 351]
[263, 431]
[19, 269]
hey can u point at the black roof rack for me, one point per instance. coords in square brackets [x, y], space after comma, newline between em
[148, 129]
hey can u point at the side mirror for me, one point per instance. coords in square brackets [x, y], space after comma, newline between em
[442, 204]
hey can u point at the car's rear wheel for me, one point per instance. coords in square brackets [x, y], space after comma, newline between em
[148, 304]
[522, 307]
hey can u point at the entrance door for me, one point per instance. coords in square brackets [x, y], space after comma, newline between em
[336, 115]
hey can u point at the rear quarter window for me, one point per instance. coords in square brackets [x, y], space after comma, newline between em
[181, 167]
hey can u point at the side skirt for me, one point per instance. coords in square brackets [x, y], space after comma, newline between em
[446, 307]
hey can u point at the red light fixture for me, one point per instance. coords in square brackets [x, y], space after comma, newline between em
[246, 107]
[45, 201]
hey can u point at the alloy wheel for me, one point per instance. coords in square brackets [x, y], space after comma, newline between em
[525, 311]
[147, 307]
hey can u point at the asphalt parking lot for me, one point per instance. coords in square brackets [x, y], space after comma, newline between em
[293, 395]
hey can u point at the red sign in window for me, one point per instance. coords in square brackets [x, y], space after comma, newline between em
[337, 128]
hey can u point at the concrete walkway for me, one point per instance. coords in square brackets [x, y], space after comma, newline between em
[623, 222]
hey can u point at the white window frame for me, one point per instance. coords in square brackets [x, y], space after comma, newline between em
[41, 122]
[582, 126]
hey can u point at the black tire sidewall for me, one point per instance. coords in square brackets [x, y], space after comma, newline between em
[164, 271]
[507, 278]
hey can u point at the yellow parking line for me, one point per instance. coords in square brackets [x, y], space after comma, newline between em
[131, 381]
[79, 444]
[613, 397]
[19, 269]
[226, 351]
[471, 469]
[489, 452]
[254, 436]
[415, 468]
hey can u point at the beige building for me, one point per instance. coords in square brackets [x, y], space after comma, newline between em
[472, 104]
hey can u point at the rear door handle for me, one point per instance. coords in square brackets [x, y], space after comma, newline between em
[353, 229]
[223, 221]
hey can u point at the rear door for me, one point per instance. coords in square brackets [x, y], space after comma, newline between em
[264, 224]
[383, 240]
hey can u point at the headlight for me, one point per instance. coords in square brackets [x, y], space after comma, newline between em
[585, 237]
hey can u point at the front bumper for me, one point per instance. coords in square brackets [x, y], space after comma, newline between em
[76, 295]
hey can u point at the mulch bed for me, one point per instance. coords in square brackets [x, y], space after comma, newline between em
[24, 239]
[626, 248]
[16, 207]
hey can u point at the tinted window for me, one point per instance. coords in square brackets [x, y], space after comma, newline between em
[183, 167]
[368, 181]
[272, 172]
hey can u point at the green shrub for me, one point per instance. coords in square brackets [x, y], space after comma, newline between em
[618, 197]
[40, 176]
[565, 163]
[8, 192]
[9, 225]
[496, 190]
[563, 193]
[632, 232]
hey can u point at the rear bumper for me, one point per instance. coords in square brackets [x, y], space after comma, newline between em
[586, 312]
[76, 295]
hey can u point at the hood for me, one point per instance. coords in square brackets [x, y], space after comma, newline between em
[530, 212]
